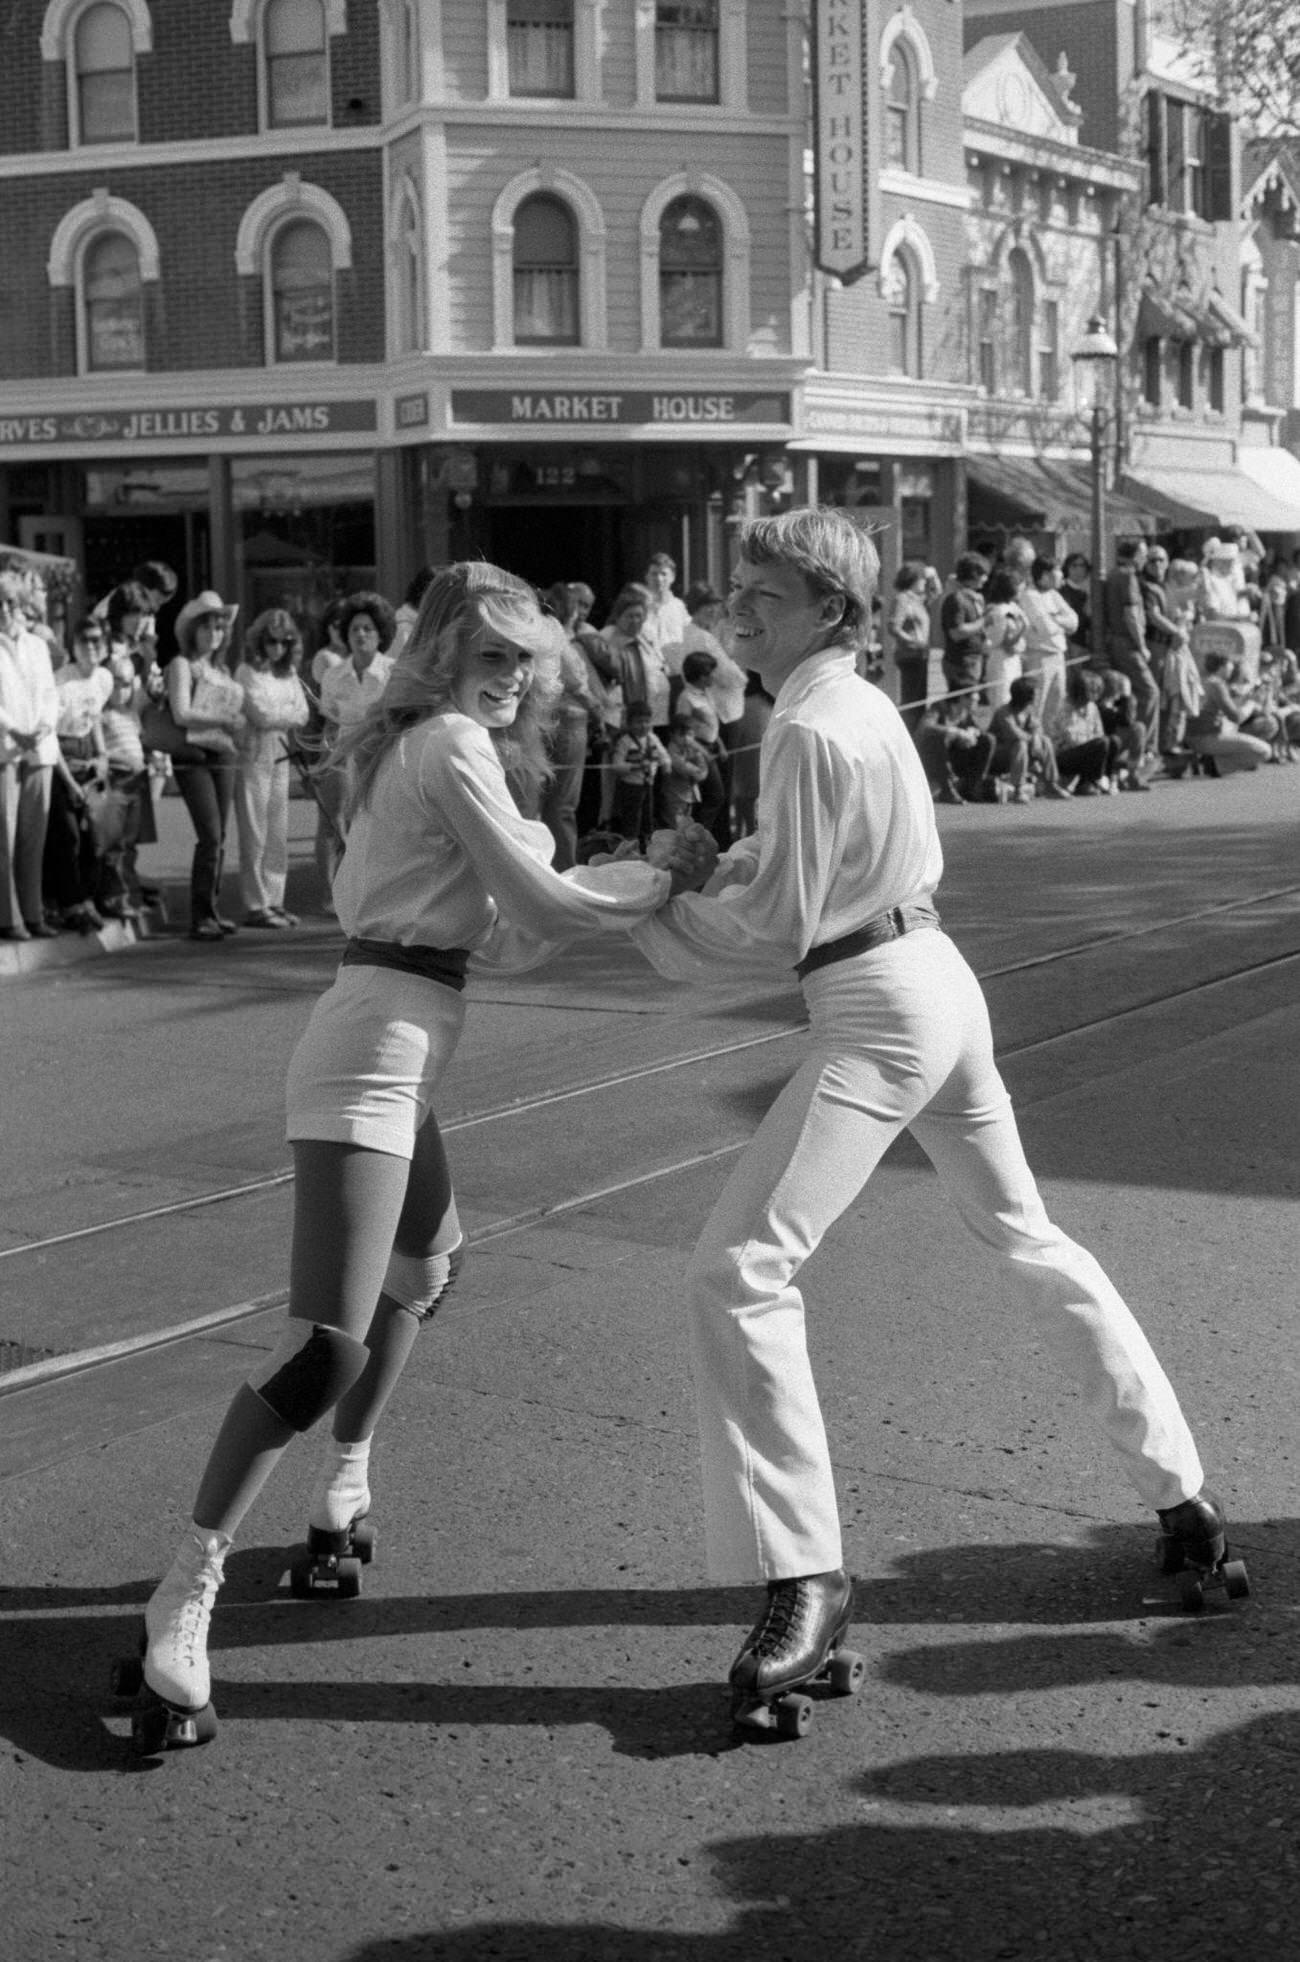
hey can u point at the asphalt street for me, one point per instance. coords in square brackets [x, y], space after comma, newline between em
[515, 1743]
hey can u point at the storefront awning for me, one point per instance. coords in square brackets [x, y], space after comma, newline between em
[1239, 334]
[1051, 494]
[1199, 499]
[1278, 472]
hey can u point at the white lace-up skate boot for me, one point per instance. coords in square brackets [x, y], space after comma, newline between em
[340, 1538]
[342, 1494]
[176, 1622]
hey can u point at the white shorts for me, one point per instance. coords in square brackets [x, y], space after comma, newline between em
[371, 1058]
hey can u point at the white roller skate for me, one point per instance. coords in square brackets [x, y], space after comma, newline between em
[171, 1681]
[340, 1539]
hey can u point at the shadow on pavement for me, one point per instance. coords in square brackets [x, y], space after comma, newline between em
[55, 1657]
[1094, 1858]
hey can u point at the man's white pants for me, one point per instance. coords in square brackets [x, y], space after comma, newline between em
[900, 1040]
[262, 815]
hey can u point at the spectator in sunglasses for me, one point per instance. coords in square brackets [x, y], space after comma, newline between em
[275, 707]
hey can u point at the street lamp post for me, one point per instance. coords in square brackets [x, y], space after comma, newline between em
[1095, 357]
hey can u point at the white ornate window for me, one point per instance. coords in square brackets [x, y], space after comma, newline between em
[410, 279]
[295, 238]
[690, 275]
[1018, 377]
[691, 51]
[901, 281]
[98, 42]
[694, 265]
[545, 49]
[293, 61]
[546, 273]
[548, 260]
[908, 80]
[106, 251]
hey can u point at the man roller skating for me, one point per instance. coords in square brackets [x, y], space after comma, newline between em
[839, 883]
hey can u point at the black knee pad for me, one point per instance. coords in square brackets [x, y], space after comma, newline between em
[308, 1374]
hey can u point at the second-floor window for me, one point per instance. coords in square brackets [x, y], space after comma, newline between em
[1188, 157]
[296, 51]
[902, 110]
[1049, 351]
[105, 76]
[903, 299]
[986, 338]
[539, 47]
[690, 275]
[302, 293]
[113, 305]
[1019, 372]
[546, 274]
[686, 51]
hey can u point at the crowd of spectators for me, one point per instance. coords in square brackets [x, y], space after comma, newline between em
[1010, 688]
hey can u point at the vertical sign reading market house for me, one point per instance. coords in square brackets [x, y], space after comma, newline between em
[842, 210]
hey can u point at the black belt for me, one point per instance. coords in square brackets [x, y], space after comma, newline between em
[445, 964]
[872, 933]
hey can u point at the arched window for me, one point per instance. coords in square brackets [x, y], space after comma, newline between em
[104, 68]
[902, 288]
[409, 246]
[112, 302]
[545, 274]
[690, 275]
[295, 58]
[301, 283]
[686, 51]
[539, 47]
[903, 110]
[1018, 376]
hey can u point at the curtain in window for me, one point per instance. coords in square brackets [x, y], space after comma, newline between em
[546, 273]
[105, 65]
[302, 293]
[690, 275]
[539, 47]
[900, 110]
[114, 303]
[902, 296]
[296, 63]
[1019, 376]
[686, 51]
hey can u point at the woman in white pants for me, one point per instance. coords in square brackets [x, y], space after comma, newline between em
[275, 705]
[838, 883]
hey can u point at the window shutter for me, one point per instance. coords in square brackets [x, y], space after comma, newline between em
[1218, 168]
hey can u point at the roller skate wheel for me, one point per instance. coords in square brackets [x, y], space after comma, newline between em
[845, 1671]
[349, 1578]
[126, 1677]
[363, 1542]
[301, 1579]
[794, 1715]
[155, 1728]
[149, 1731]
[1191, 1592]
[1236, 1581]
[1169, 1558]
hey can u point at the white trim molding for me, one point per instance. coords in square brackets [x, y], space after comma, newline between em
[591, 253]
[904, 26]
[735, 260]
[246, 18]
[101, 212]
[291, 198]
[61, 16]
[586, 54]
[907, 235]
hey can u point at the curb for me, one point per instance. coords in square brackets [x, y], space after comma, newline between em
[19, 958]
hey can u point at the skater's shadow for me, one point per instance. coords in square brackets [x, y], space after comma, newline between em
[969, 1857]
[395, 1665]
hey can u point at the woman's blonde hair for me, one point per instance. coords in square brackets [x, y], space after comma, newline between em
[461, 607]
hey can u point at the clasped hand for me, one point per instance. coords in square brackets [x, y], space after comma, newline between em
[689, 853]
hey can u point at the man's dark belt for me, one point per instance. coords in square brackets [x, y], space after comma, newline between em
[445, 964]
[872, 933]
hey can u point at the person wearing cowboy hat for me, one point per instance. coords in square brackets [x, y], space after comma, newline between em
[207, 704]
[1221, 596]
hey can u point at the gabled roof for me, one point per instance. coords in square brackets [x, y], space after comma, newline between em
[1005, 80]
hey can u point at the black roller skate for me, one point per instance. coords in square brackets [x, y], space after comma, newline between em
[333, 1561]
[340, 1538]
[169, 1679]
[796, 1645]
[1193, 1544]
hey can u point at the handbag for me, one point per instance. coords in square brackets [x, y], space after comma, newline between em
[159, 729]
[106, 813]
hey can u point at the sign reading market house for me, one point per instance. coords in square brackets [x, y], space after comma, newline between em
[583, 408]
[840, 139]
[260, 420]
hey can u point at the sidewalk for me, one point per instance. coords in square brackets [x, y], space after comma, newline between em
[166, 864]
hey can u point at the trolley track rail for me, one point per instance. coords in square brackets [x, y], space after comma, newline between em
[79, 1362]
